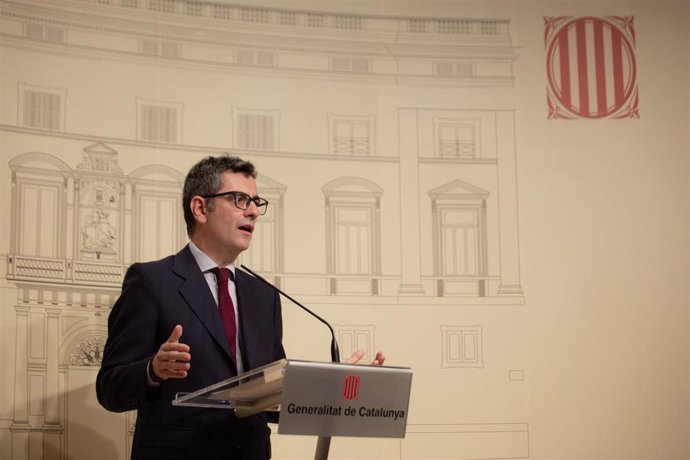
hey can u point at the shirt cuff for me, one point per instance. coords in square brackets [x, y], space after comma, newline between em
[152, 379]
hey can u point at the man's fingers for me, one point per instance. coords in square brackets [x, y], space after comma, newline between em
[166, 374]
[172, 359]
[167, 347]
[166, 367]
[176, 334]
[181, 355]
[173, 343]
[356, 356]
[173, 367]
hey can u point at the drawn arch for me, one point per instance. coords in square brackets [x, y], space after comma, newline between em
[157, 172]
[30, 159]
[351, 185]
[84, 347]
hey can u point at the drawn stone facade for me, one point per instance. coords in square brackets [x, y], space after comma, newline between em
[392, 204]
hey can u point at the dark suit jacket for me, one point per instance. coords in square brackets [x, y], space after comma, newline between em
[155, 297]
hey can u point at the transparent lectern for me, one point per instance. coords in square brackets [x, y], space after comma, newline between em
[315, 398]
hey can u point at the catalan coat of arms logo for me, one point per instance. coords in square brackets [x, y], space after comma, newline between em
[591, 67]
[350, 387]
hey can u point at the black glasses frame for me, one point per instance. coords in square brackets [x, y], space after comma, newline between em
[241, 197]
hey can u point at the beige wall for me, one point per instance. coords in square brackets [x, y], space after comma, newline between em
[536, 283]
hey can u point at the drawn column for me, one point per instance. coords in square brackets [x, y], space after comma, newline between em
[410, 233]
[52, 429]
[508, 205]
[20, 425]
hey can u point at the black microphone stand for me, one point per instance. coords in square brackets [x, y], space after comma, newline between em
[335, 352]
[324, 442]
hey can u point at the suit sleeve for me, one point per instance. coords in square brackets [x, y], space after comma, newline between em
[121, 384]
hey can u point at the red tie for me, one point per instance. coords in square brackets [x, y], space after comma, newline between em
[225, 308]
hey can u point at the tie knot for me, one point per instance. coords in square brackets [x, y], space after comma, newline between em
[222, 274]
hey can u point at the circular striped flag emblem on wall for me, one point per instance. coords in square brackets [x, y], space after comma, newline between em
[591, 67]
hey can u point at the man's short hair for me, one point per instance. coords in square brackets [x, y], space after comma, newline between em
[205, 178]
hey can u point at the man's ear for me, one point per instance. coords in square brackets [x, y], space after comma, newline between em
[198, 207]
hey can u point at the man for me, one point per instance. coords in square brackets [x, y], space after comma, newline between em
[173, 330]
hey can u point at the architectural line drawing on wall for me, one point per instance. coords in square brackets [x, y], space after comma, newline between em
[393, 200]
[459, 214]
[462, 346]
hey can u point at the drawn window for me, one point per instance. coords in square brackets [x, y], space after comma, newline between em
[353, 338]
[43, 32]
[244, 57]
[158, 216]
[159, 48]
[38, 227]
[260, 58]
[444, 68]
[42, 108]
[256, 130]
[462, 346]
[340, 64]
[265, 59]
[460, 241]
[353, 239]
[450, 69]
[347, 64]
[457, 138]
[360, 65]
[353, 235]
[352, 135]
[159, 121]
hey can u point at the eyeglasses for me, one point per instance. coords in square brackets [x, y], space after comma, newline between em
[243, 201]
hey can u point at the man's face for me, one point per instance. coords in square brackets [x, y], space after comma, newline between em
[228, 230]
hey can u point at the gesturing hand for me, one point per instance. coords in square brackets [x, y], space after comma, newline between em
[171, 361]
[356, 356]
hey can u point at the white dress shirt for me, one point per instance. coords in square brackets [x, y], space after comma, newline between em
[206, 265]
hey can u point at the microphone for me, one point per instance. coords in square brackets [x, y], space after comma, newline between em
[335, 353]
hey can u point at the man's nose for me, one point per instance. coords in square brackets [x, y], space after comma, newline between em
[252, 210]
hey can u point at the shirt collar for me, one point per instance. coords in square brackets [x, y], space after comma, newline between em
[204, 262]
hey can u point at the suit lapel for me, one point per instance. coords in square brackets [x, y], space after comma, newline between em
[198, 297]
